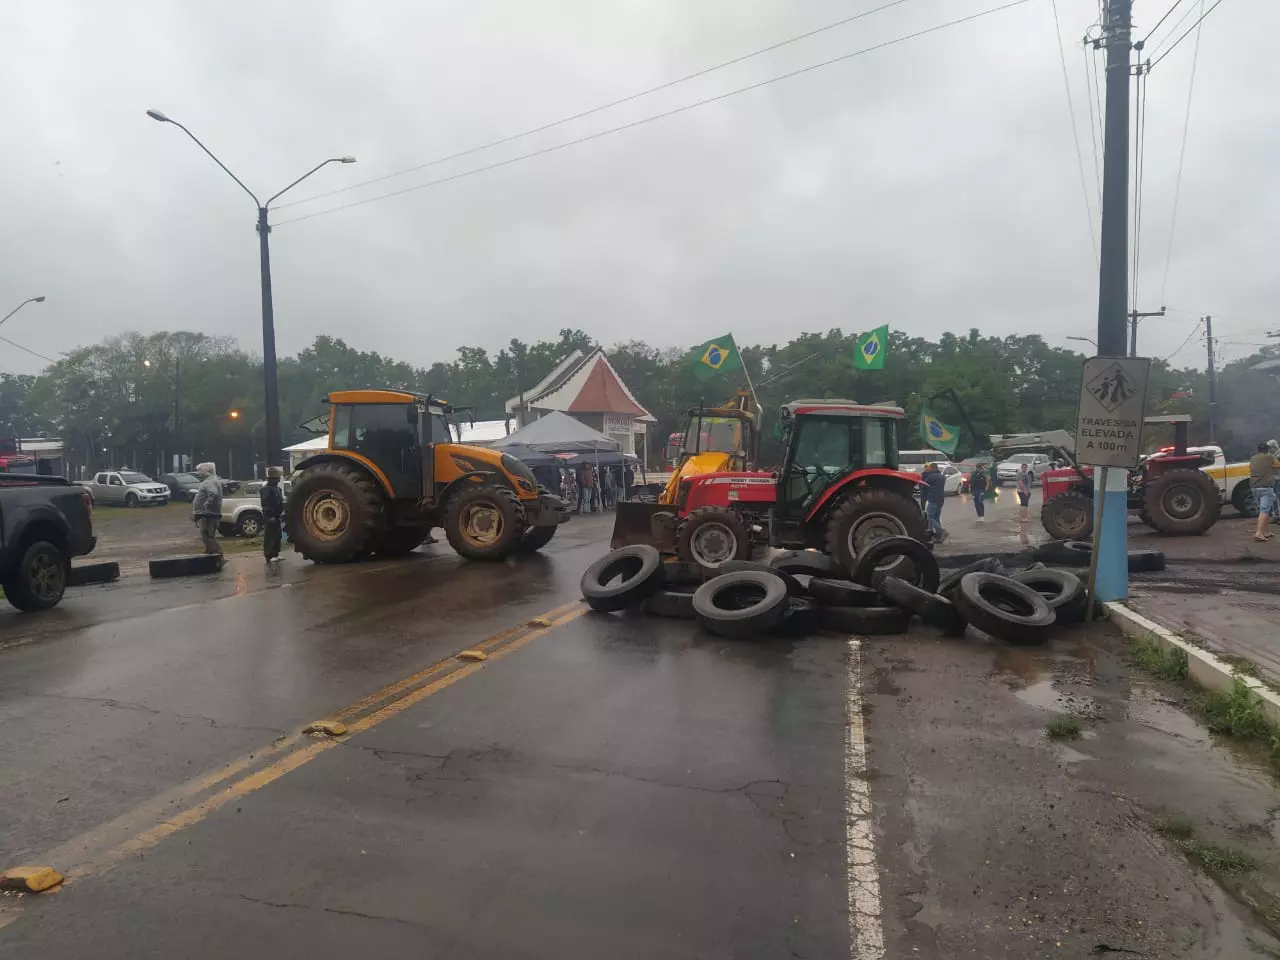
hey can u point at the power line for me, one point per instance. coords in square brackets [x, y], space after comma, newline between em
[1187, 14]
[604, 106]
[1139, 167]
[1183, 346]
[1182, 156]
[1195, 26]
[28, 350]
[1075, 133]
[658, 116]
[1151, 32]
[1093, 120]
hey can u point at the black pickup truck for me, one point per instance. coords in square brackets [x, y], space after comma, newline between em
[44, 522]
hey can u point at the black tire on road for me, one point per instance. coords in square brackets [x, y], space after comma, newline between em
[1063, 590]
[867, 621]
[170, 567]
[250, 524]
[622, 578]
[1068, 516]
[932, 609]
[401, 541]
[803, 618]
[1066, 553]
[484, 522]
[535, 538]
[921, 558]
[809, 562]
[39, 579]
[226, 529]
[794, 587]
[1146, 561]
[677, 573]
[675, 604]
[335, 513]
[1004, 608]
[947, 585]
[1182, 503]
[870, 515]
[746, 603]
[1242, 499]
[83, 574]
[842, 593]
[711, 537]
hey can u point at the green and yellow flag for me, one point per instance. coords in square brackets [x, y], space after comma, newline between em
[939, 435]
[715, 356]
[871, 348]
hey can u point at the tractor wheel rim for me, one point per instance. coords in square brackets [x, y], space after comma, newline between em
[1181, 502]
[326, 515]
[1073, 518]
[712, 544]
[482, 524]
[873, 527]
[44, 576]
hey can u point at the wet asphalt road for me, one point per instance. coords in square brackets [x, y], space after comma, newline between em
[600, 786]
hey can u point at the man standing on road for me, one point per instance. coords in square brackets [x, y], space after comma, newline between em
[1025, 477]
[272, 500]
[1262, 480]
[607, 488]
[978, 491]
[935, 494]
[206, 508]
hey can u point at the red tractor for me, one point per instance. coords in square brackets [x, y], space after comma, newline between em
[1169, 493]
[838, 490]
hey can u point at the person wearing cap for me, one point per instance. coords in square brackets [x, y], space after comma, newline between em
[206, 507]
[272, 500]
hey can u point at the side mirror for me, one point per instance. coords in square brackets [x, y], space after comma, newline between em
[411, 414]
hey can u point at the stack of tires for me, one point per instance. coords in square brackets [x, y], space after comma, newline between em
[798, 593]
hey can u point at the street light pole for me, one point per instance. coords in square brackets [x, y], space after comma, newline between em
[271, 388]
[20, 306]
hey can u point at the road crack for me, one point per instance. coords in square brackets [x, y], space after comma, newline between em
[285, 905]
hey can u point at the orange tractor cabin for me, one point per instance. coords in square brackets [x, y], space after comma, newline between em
[392, 472]
[838, 490]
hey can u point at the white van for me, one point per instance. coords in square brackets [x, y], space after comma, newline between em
[913, 461]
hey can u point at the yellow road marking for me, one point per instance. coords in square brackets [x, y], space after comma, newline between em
[145, 825]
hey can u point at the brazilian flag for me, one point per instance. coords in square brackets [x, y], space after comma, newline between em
[939, 435]
[871, 348]
[715, 356]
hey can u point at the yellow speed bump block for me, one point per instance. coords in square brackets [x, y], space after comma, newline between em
[477, 655]
[330, 728]
[30, 879]
[540, 622]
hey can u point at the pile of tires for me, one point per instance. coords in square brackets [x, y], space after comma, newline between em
[1079, 553]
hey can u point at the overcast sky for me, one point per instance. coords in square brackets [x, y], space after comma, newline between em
[931, 185]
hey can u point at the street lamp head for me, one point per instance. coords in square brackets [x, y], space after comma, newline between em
[157, 115]
[234, 414]
[38, 299]
[347, 159]
[146, 363]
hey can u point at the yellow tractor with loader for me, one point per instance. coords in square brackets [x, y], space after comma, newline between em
[392, 471]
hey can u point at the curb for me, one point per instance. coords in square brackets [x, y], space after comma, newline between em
[1203, 668]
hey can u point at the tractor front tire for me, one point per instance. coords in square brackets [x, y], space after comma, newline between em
[1068, 516]
[336, 513]
[1182, 503]
[484, 522]
[711, 537]
[872, 514]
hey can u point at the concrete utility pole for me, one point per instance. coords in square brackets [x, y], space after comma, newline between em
[1213, 377]
[1134, 317]
[1113, 546]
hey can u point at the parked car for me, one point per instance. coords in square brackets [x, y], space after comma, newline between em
[1007, 470]
[126, 488]
[182, 486]
[44, 522]
[952, 479]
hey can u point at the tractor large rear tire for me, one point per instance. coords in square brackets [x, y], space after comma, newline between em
[1068, 516]
[870, 515]
[484, 522]
[1182, 503]
[336, 513]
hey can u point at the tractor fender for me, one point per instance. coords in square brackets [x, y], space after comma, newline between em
[475, 476]
[897, 480]
[343, 456]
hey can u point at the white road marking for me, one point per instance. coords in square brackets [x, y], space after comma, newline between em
[866, 937]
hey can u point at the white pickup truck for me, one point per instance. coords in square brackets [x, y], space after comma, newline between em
[126, 488]
[242, 516]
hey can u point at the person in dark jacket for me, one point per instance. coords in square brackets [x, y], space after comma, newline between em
[272, 500]
[978, 490]
[935, 494]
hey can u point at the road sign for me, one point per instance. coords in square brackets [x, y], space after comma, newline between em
[1113, 400]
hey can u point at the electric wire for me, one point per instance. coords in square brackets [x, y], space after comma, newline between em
[1184, 343]
[1195, 26]
[1182, 156]
[1151, 32]
[1075, 134]
[28, 350]
[659, 116]
[604, 106]
[1093, 120]
[1139, 168]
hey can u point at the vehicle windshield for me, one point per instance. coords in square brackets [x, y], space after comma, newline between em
[1024, 457]
[719, 434]
[129, 476]
[186, 478]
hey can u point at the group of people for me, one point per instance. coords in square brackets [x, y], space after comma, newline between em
[934, 495]
[588, 488]
[206, 511]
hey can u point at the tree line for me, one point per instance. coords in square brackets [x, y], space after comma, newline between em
[135, 399]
